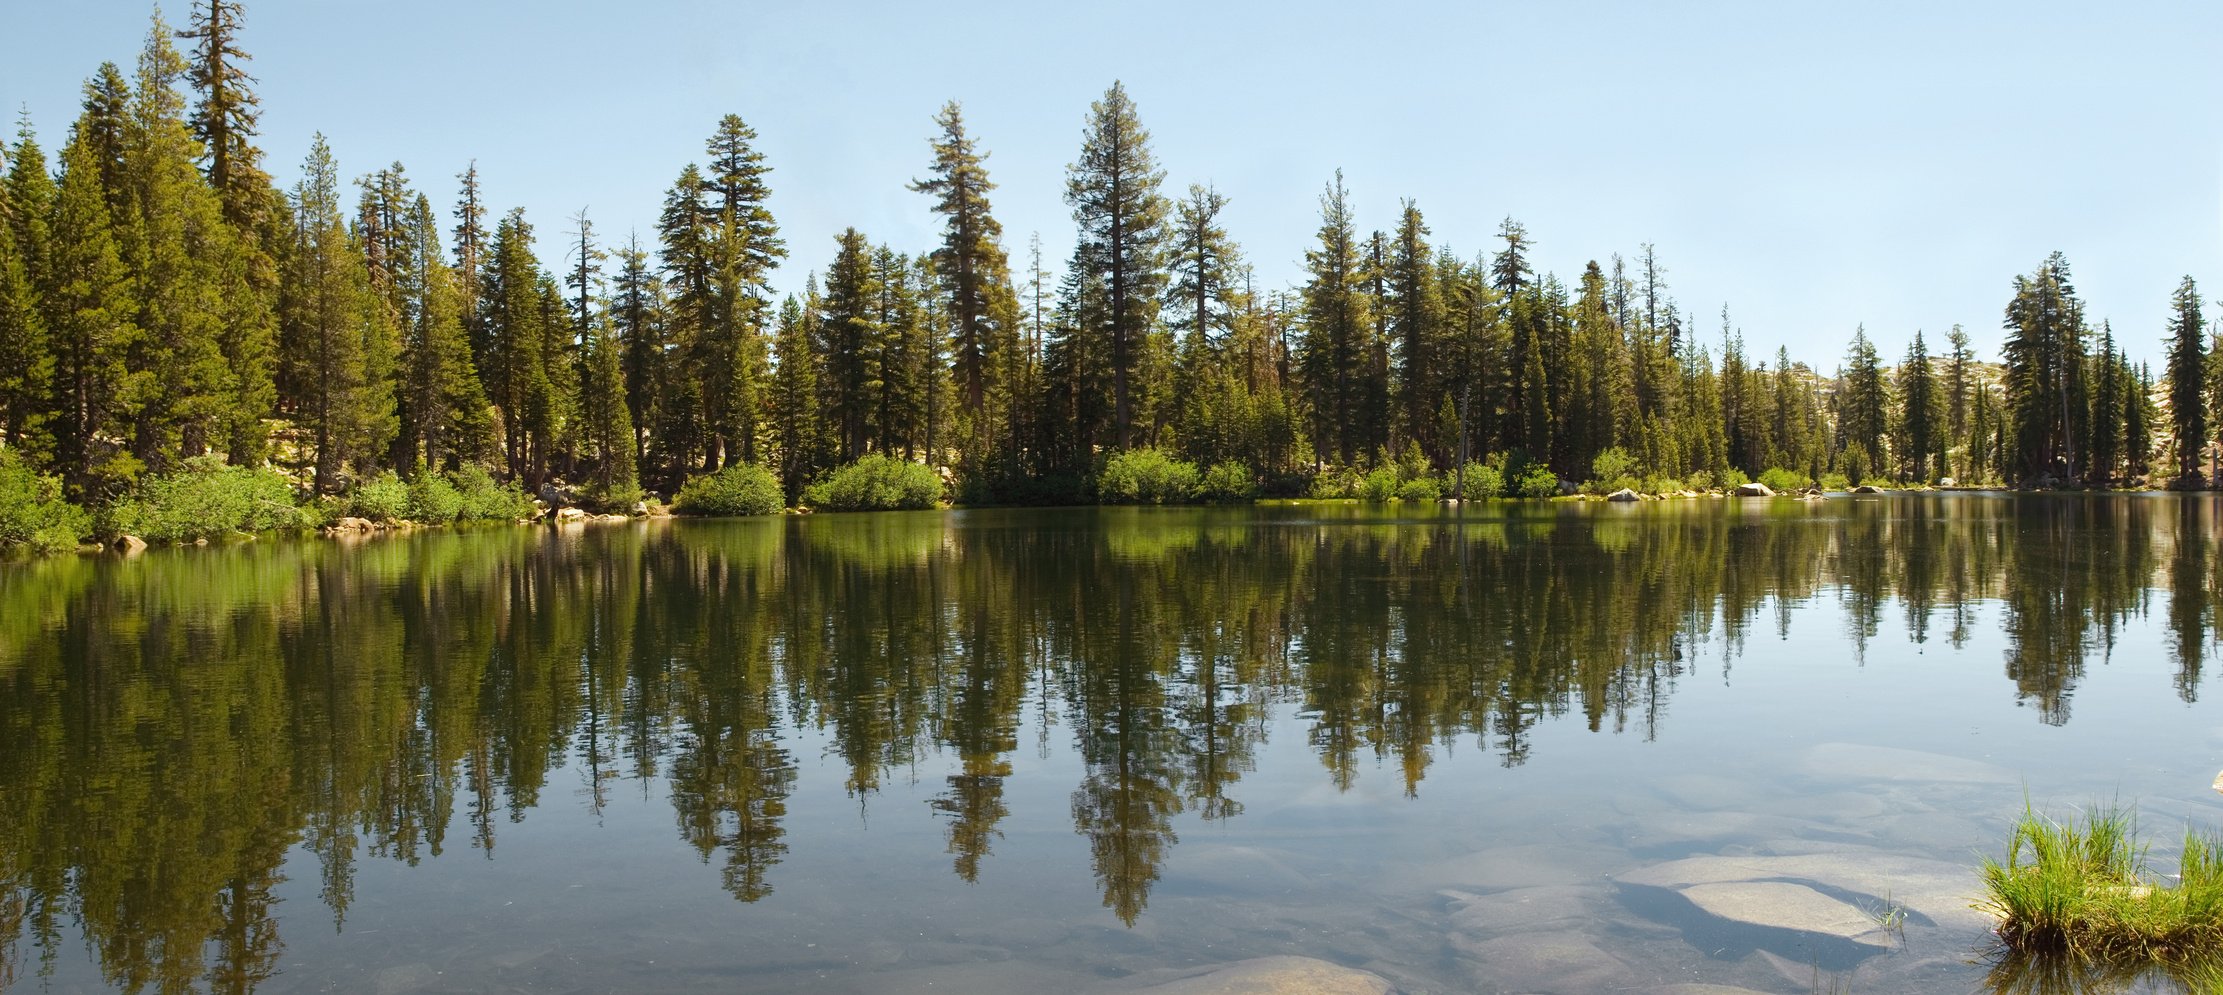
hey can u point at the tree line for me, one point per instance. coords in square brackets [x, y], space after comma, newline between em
[161, 299]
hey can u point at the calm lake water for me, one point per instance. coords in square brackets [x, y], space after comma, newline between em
[1555, 747]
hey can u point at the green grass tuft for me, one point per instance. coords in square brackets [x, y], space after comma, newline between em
[2082, 890]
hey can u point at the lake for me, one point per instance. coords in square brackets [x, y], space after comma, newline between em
[1521, 747]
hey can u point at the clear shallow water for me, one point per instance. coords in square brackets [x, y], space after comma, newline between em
[1063, 749]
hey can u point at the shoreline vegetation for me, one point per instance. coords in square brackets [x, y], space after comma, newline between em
[190, 350]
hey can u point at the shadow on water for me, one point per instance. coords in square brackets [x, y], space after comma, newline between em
[175, 723]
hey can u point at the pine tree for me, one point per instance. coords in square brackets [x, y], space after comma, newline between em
[849, 331]
[2188, 362]
[1959, 383]
[798, 425]
[1336, 316]
[745, 247]
[2109, 403]
[1864, 415]
[226, 117]
[442, 397]
[334, 337]
[975, 285]
[1415, 308]
[26, 361]
[1113, 189]
[607, 425]
[89, 302]
[470, 264]
[192, 275]
[1921, 430]
[515, 316]
[2045, 379]
[637, 321]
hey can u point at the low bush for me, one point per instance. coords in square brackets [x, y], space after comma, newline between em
[1483, 482]
[483, 499]
[433, 499]
[1734, 479]
[740, 489]
[383, 498]
[1227, 483]
[1538, 482]
[1379, 485]
[203, 499]
[33, 514]
[1146, 476]
[1341, 482]
[1612, 470]
[876, 483]
[1779, 479]
[1422, 488]
[1836, 482]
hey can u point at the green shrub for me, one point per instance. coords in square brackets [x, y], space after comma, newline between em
[740, 489]
[1538, 482]
[1657, 484]
[1379, 485]
[383, 498]
[1483, 482]
[485, 500]
[1697, 480]
[1423, 488]
[1227, 483]
[433, 500]
[32, 512]
[1609, 469]
[876, 483]
[1734, 479]
[205, 498]
[1146, 476]
[1836, 482]
[1779, 479]
[1341, 482]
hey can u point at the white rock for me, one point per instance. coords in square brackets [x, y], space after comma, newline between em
[1283, 975]
[1755, 489]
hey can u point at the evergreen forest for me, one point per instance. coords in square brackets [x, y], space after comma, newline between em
[169, 312]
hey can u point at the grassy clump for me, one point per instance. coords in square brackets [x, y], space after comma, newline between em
[877, 483]
[740, 489]
[2083, 890]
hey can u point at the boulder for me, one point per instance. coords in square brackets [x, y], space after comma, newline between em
[133, 546]
[1755, 489]
[2218, 785]
[1281, 975]
[353, 524]
[570, 516]
[1869, 489]
[615, 518]
[1624, 494]
[1947, 482]
[640, 509]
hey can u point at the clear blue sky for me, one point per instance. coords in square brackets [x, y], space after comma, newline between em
[1813, 166]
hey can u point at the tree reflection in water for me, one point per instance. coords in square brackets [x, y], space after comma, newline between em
[173, 724]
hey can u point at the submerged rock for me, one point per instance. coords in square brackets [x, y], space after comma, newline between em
[1931, 891]
[1282, 975]
[1755, 489]
[1857, 761]
[1542, 962]
[1790, 906]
